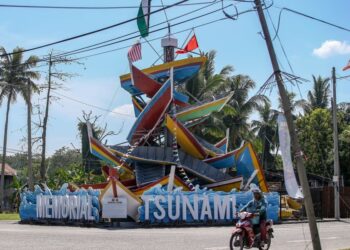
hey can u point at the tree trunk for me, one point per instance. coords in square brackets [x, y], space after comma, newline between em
[29, 135]
[43, 136]
[2, 182]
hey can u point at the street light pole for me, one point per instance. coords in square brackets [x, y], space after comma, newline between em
[295, 142]
[336, 153]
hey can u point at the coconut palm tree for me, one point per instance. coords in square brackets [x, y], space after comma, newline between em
[266, 130]
[235, 116]
[295, 104]
[243, 105]
[206, 82]
[319, 96]
[14, 75]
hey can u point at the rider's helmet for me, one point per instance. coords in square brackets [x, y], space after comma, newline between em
[256, 192]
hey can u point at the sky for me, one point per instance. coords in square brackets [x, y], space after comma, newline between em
[312, 48]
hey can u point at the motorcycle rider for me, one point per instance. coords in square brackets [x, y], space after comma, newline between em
[257, 205]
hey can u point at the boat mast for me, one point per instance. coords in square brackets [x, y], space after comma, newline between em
[169, 44]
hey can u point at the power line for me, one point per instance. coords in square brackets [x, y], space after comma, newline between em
[343, 77]
[111, 111]
[136, 32]
[307, 16]
[95, 31]
[91, 105]
[283, 50]
[160, 37]
[150, 32]
[12, 150]
[58, 56]
[108, 110]
[92, 7]
[125, 47]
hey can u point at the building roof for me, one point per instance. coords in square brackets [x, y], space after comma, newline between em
[8, 170]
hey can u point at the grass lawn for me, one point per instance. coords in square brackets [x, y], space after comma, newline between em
[9, 216]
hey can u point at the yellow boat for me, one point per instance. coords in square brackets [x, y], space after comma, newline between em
[185, 139]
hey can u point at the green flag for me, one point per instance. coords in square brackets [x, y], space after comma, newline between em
[143, 17]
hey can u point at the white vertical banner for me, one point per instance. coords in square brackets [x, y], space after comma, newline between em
[290, 181]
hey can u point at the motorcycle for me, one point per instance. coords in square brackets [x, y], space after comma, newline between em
[240, 234]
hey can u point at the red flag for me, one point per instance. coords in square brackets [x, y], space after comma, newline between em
[347, 66]
[191, 45]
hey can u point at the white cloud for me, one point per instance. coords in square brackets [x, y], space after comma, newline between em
[125, 110]
[331, 48]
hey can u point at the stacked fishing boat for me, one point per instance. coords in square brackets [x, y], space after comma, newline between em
[164, 116]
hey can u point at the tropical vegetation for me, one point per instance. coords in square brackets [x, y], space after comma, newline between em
[247, 116]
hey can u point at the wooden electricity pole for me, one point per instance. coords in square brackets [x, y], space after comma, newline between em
[336, 153]
[46, 117]
[295, 142]
[29, 132]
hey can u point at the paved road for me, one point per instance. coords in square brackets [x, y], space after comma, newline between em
[334, 235]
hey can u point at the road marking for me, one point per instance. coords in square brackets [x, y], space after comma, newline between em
[327, 238]
[216, 248]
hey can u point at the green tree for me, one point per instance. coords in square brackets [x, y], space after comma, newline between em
[73, 174]
[242, 106]
[266, 130]
[316, 139]
[61, 159]
[295, 104]
[319, 96]
[14, 74]
[207, 82]
[344, 154]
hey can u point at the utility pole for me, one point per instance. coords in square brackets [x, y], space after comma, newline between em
[295, 142]
[29, 132]
[336, 153]
[46, 116]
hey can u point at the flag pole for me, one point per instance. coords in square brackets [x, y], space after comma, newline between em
[131, 74]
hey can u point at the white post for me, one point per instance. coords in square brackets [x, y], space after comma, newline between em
[173, 167]
[250, 179]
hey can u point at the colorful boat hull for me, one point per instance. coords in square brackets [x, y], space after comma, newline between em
[222, 144]
[185, 139]
[164, 181]
[247, 162]
[202, 110]
[228, 185]
[222, 161]
[104, 153]
[152, 114]
[150, 87]
[183, 71]
[137, 106]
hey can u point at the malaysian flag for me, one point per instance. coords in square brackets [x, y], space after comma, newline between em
[134, 53]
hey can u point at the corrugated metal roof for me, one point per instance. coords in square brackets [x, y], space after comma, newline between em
[8, 170]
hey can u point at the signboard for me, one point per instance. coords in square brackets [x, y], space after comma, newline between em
[114, 208]
[198, 207]
[71, 207]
